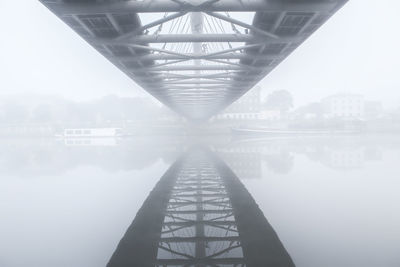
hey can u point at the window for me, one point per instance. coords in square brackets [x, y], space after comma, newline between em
[78, 131]
[69, 132]
[87, 132]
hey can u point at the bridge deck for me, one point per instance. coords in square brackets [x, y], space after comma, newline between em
[219, 55]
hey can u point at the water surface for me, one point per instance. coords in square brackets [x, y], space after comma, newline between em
[321, 201]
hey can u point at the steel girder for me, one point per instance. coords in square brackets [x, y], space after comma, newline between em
[196, 70]
[146, 6]
[200, 214]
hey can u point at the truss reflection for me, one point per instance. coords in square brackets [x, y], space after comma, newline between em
[200, 214]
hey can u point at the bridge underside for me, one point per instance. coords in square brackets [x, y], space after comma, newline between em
[195, 56]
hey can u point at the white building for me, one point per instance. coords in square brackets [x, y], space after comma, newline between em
[350, 106]
[270, 115]
[248, 107]
[93, 132]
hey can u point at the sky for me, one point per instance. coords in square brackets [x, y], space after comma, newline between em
[356, 51]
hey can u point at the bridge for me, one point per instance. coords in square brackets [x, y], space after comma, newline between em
[195, 56]
[200, 214]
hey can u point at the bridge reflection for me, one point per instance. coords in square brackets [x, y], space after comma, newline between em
[200, 214]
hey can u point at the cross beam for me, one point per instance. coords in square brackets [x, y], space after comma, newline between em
[150, 6]
[151, 57]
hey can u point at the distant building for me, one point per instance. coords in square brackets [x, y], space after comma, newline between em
[93, 132]
[26, 130]
[270, 114]
[247, 107]
[373, 109]
[348, 106]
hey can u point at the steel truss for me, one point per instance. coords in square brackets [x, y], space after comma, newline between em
[192, 39]
[199, 214]
[199, 226]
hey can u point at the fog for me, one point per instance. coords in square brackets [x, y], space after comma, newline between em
[299, 171]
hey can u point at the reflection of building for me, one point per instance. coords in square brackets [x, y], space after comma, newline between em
[248, 107]
[345, 158]
[248, 160]
[245, 162]
[349, 157]
[93, 132]
[199, 214]
[82, 141]
[271, 114]
[48, 156]
[253, 158]
[19, 130]
[349, 106]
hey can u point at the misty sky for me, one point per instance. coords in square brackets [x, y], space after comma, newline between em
[357, 51]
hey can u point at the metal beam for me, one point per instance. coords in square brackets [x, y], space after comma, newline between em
[187, 38]
[234, 49]
[163, 75]
[168, 63]
[242, 24]
[261, 247]
[172, 6]
[191, 68]
[150, 25]
[233, 64]
[152, 57]
[201, 82]
[203, 262]
[145, 230]
[114, 23]
[155, 49]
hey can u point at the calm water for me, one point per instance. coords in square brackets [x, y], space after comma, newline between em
[327, 201]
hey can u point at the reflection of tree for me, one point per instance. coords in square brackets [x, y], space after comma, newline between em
[281, 163]
[14, 113]
[51, 158]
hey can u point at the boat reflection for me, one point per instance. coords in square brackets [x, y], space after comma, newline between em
[249, 159]
[200, 214]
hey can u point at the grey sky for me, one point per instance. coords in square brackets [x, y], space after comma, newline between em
[355, 52]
